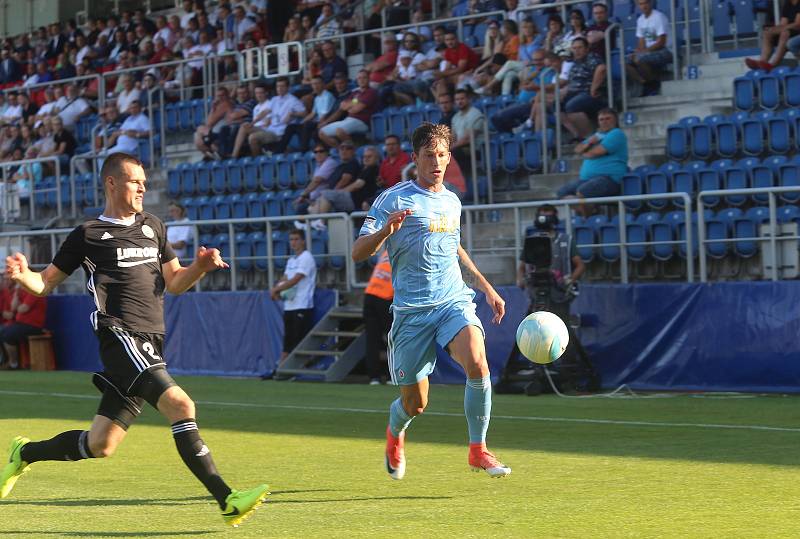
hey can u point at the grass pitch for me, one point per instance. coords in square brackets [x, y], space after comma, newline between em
[683, 466]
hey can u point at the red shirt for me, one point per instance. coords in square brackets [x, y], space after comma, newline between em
[462, 52]
[5, 304]
[379, 76]
[38, 309]
[391, 170]
[369, 98]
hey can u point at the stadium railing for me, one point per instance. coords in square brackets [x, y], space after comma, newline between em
[6, 167]
[773, 221]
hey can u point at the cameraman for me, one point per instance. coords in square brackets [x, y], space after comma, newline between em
[552, 287]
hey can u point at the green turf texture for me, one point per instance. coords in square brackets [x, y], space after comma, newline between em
[325, 468]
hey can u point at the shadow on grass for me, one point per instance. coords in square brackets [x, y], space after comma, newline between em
[364, 499]
[84, 502]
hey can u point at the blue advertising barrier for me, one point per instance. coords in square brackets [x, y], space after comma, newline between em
[714, 337]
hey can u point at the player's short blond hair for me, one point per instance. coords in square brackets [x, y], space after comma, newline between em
[429, 134]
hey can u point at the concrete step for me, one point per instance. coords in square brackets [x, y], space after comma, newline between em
[722, 84]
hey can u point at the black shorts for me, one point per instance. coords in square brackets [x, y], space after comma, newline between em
[134, 373]
[296, 324]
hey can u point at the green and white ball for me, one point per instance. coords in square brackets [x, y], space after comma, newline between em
[542, 337]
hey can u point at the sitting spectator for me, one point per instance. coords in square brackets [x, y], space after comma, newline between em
[110, 122]
[65, 69]
[29, 109]
[392, 165]
[128, 95]
[29, 174]
[306, 130]
[24, 315]
[357, 109]
[514, 115]
[605, 162]
[136, 126]
[270, 118]
[775, 40]
[207, 133]
[406, 82]
[73, 108]
[164, 32]
[365, 188]
[10, 68]
[332, 64]
[242, 26]
[445, 102]
[577, 28]
[42, 75]
[434, 57]
[582, 98]
[530, 41]
[13, 111]
[467, 120]
[461, 61]
[380, 68]
[242, 112]
[9, 141]
[324, 165]
[327, 25]
[596, 32]
[652, 52]
[554, 40]
[180, 237]
[335, 197]
[294, 32]
[65, 143]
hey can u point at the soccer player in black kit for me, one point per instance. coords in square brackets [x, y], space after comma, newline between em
[128, 264]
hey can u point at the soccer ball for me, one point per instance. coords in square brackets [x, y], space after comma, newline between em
[542, 337]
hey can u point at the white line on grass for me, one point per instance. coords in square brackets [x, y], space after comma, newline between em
[445, 414]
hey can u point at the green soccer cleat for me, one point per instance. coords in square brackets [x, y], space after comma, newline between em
[240, 504]
[15, 467]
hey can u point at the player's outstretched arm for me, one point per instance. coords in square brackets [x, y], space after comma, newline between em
[477, 280]
[37, 283]
[369, 244]
[180, 279]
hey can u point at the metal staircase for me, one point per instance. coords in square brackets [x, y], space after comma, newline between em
[331, 349]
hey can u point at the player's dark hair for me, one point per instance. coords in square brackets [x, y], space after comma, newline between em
[297, 232]
[392, 136]
[112, 166]
[546, 207]
[609, 110]
[429, 134]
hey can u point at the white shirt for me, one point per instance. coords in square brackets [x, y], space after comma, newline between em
[82, 54]
[279, 107]
[198, 51]
[257, 110]
[140, 123]
[240, 28]
[185, 19]
[653, 27]
[12, 114]
[304, 290]
[47, 109]
[166, 35]
[176, 233]
[124, 99]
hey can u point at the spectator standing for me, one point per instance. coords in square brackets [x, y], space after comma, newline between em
[378, 318]
[392, 166]
[179, 236]
[296, 287]
[25, 316]
[358, 108]
[605, 161]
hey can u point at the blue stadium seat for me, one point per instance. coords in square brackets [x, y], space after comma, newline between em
[244, 250]
[222, 207]
[779, 136]
[511, 149]
[753, 136]
[249, 174]
[728, 216]
[205, 209]
[633, 185]
[679, 138]
[202, 174]
[174, 181]
[757, 214]
[185, 115]
[735, 177]
[597, 221]
[238, 206]
[743, 231]
[319, 247]
[791, 89]
[659, 182]
[235, 179]
[609, 233]
[769, 91]
[701, 135]
[660, 233]
[716, 230]
[218, 178]
[414, 117]
[531, 151]
[647, 219]
[584, 235]
[259, 245]
[683, 181]
[396, 121]
[171, 112]
[299, 165]
[222, 242]
[198, 113]
[724, 133]
[378, 126]
[272, 204]
[789, 176]
[255, 206]
[744, 91]
[266, 168]
[432, 113]
[280, 249]
[636, 233]
[192, 208]
[283, 171]
[788, 214]
[286, 199]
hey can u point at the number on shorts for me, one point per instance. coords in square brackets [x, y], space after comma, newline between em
[150, 350]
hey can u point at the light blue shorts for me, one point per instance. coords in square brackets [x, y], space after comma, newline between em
[413, 337]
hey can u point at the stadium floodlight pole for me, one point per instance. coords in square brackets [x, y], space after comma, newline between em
[676, 68]
[609, 72]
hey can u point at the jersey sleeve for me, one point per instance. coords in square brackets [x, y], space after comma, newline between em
[614, 142]
[307, 264]
[72, 252]
[376, 217]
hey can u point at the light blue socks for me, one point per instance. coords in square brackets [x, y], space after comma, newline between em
[478, 408]
[398, 418]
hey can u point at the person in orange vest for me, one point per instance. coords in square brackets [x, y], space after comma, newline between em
[378, 318]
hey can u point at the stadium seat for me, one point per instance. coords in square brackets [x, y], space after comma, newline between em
[744, 91]
[234, 172]
[266, 168]
[414, 117]
[788, 214]
[744, 231]
[757, 214]
[218, 178]
[192, 208]
[683, 181]
[791, 89]
[280, 249]
[259, 246]
[432, 113]
[174, 181]
[609, 234]
[319, 247]
[272, 204]
[205, 209]
[396, 121]
[716, 230]
[660, 182]
[255, 206]
[725, 135]
[202, 172]
[244, 252]
[779, 137]
[660, 234]
[238, 206]
[679, 137]
[701, 135]
[735, 177]
[222, 207]
[185, 115]
[510, 150]
[222, 241]
[769, 91]
[584, 236]
[378, 127]
[249, 174]
[753, 136]
[632, 185]
[299, 165]
[171, 113]
[728, 216]
[789, 176]
[283, 171]
[531, 151]
[636, 233]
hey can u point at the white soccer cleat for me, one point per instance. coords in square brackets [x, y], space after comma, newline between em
[395, 456]
[481, 458]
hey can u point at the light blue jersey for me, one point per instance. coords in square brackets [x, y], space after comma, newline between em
[424, 252]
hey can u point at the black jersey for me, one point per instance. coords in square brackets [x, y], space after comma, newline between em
[123, 270]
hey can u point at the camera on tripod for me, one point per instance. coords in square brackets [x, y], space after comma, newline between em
[543, 281]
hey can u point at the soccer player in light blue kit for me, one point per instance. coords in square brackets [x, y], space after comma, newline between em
[420, 223]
